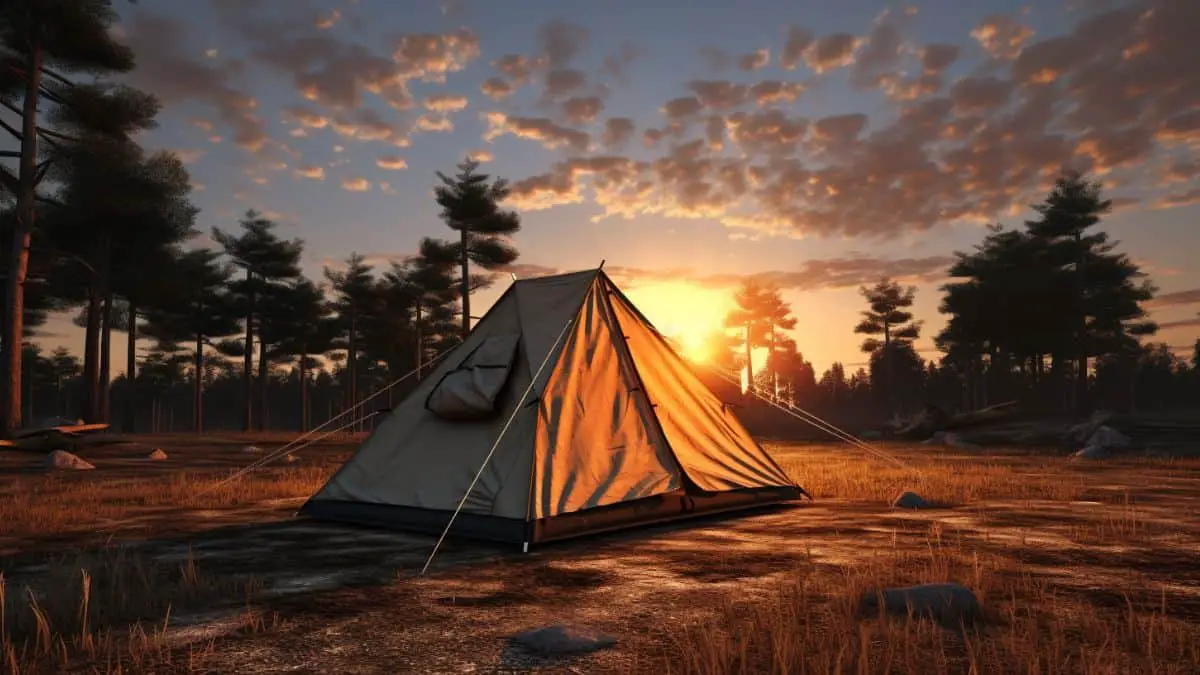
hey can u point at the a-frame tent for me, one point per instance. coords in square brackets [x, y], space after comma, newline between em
[616, 430]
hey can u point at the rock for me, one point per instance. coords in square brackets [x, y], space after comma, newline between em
[947, 603]
[1091, 452]
[157, 456]
[61, 459]
[563, 639]
[909, 500]
[950, 440]
[1107, 437]
[1080, 433]
[252, 449]
[289, 458]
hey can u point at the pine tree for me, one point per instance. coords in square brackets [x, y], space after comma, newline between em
[310, 329]
[356, 299]
[1103, 290]
[888, 316]
[193, 308]
[37, 35]
[748, 316]
[471, 206]
[265, 259]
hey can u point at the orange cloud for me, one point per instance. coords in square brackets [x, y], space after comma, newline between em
[391, 163]
[356, 184]
[543, 130]
[445, 103]
[1002, 36]
[311, 172]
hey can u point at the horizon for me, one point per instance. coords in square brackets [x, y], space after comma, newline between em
[819, 150]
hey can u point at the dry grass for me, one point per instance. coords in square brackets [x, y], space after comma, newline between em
[813, 622]
[1036, 620]
[108, 610]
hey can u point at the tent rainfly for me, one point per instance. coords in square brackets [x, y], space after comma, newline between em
[613, 430]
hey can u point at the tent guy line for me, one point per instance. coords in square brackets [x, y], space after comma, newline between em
[291, 446]
[521, 403]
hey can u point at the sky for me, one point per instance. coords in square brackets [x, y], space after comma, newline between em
[820, 145]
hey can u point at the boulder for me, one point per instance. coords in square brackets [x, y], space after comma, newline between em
[909, 500]
[1107, 437]
[1080, 433]
[948, 603]
[61, 459]
[560, 639]
[157, 456]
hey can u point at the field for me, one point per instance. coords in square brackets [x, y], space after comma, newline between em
[139, 566]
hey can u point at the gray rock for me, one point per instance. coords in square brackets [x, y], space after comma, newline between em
[61, 459]
[562, 639]
[947, 603]
[157, 456]
[909, 500]
[1107, 437]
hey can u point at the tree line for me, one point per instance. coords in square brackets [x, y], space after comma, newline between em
[1049, 314]
[91, 220]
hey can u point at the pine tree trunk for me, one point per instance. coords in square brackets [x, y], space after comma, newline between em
[420, 341]
[198, 385]
[262, 384]
[352, 366]
[248, 358]
[18, 262]
[304, 390]
[91, 358]
[772, 367]
[464, 262]
[105, 357]
[131, 373]
[1081, 384]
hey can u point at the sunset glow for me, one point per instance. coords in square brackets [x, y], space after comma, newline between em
[684, 312]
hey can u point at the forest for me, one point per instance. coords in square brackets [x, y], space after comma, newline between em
[235, 336]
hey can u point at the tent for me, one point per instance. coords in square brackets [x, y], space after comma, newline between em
[569, 414]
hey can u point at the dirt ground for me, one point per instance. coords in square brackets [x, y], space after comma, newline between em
[347, 600]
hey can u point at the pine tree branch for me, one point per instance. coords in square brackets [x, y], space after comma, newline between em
[11, 154]
[41, 172]
[11, 130]
[50, 200]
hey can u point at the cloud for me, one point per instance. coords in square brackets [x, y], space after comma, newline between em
[189, 156]
[564, 82]
[617, 131]
[541, 129]
[812, 275]
[881, 52]
[937, 57]
[391, 163]
[796, 42]
[311, 172]
[515, 68]
[756, 59]
[1190, 296]
[582, 109]
[1106, 96]
[435, 123]
[496, 88]
[831, 52]
[164, 67]
[727, 95]
[445, 103]
[481, 156]
[1002, 36]
[1182, 323]
[356, 184]
[561, 41]
[327, 21]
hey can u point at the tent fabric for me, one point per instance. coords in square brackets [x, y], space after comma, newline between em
[470, 391]
[616, 430]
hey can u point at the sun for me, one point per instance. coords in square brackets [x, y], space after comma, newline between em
[686, 313]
